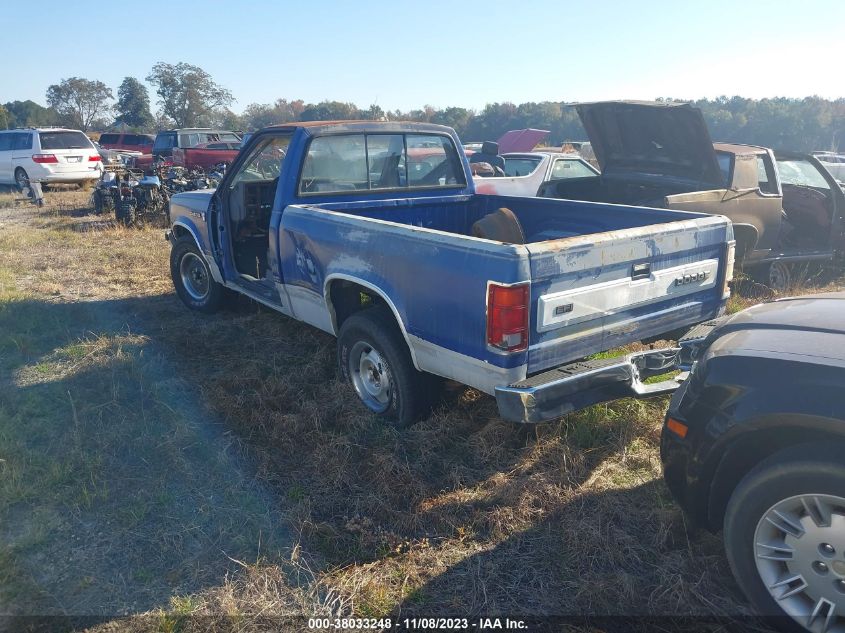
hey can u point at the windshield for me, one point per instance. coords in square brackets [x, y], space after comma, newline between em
[64, 140]
[521, 166]
[801, 173]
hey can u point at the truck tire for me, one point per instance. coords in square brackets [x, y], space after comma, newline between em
[192, 278]
[373, 358]
[784, 535]
[777, 276]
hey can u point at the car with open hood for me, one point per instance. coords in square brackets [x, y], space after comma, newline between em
[785, 206]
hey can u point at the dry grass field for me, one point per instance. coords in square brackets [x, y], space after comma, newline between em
[159, 462]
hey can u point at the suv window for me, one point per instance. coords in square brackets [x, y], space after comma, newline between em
[218, 137]
[6, 141]
[109, 139]
[350, 162]
[131, 139]
[22, 140]
[165, 140]
[64, 140]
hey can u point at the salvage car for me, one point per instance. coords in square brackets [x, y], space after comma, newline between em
[48, 155]
[206, 155]
[753, 445]
[525, 172]
[420, 278]
[834, 163]
[142, 143]
[183, 138]
[785, 207]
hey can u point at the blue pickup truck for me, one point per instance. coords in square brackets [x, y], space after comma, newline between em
[373, 232]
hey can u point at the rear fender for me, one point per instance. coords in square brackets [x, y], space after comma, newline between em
[377, 291]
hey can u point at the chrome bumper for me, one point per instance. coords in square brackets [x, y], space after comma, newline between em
[581, 384]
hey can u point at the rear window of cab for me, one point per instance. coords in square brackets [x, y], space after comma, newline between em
[354, 162]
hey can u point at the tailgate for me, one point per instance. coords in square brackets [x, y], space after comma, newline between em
[595, 292]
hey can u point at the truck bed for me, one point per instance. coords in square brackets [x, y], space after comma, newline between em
[579, 259]
[542, 219]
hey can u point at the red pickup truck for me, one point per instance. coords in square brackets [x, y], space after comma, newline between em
[206, 155]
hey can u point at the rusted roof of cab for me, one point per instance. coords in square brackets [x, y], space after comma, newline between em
[738, 148]
[361, 126]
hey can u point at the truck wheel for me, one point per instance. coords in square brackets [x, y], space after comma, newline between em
[776, 276]
[373, 357]
[784, 536]
[192, 278]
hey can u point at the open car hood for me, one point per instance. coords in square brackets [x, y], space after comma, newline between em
[668, 139]
[521, 140]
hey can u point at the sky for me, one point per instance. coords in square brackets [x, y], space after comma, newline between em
[408, 54]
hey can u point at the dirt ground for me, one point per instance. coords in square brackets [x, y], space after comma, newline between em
[156, 461]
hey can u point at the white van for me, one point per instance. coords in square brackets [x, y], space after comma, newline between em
[47, 155]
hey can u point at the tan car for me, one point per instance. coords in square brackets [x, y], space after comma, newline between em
[785, 207]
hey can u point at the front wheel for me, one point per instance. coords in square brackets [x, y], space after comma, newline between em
[192, 278]
[373, 357]
[785, 537]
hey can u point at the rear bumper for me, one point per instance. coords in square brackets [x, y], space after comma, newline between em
[581, 384]
[39, 173]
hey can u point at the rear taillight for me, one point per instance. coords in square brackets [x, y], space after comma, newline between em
[507, 317]
[730, 256]
[44, 158]
[94, 158]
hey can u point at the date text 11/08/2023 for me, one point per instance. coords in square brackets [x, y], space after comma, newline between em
[417, 624]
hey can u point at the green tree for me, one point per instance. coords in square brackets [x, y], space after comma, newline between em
[187, 94]
[28, 113]
[374, 112]
[5, 118]
[330, 111]
[259, 115]
[133, 105]
[79, 101]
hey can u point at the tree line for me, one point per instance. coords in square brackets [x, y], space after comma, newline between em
[188, 96]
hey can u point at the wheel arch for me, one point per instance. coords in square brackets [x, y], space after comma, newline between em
[770, 435]
[180, 229]
[746, 236]
[339, 291]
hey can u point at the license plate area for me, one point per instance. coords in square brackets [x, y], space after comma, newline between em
[74, 159]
